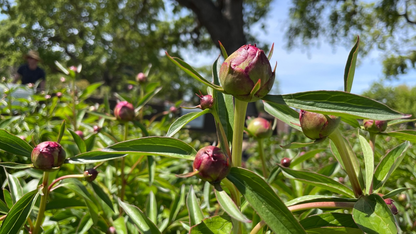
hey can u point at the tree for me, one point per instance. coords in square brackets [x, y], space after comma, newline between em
[114, 40]
[387, 25]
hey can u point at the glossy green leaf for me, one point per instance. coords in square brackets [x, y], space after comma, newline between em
[13, 144]
[399, 121]
[206, 194]
[373, 216]
[102, 195]
[213, 225]
[368, 162]
[351, 121]
[329, 220]
[144, 224]
[151, 209]
[65, 203]
[94, 157]
[184, 120]
[15, 165]
[3, 207]
[7, 198]
[337, 103]
[228, 205]
[90, 141]
[317, 198]
[194, 210]
[18, 214]
[120, 225]
[283, 113]
[86, 93]
[306, 156]
[318, 180]
[388, 164]
[15, 188]
[151, 167]
[177, 204]
[264, 201]
[395, 192]
[85, 224]
[147, 97]
[80, 143]
[190, 71]
[405, 135]
[350, 67]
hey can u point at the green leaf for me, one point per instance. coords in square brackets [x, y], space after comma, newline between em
[18, 214]
[162, 146]
[318, 180]
[228, 205]
[61, 132]
[194, 210]
[264, 201]
[184, 120]
[223, 50]
[337, 103]
[296, 145]
[368, 162]
[94, 157]
[350, 67]
[213, 225]
[15, 188]
[351, 121]
[144, 225]
[3, 207]
[80, 143]
[269, 56]
[373, 216]
[86, 93]
[65, 203]
[388, 164]
[102, 195]
[7, 198]
[90, 141]
[15, 165]
[405, 135]
[120, 225]
[13, 144]
[399, 121]
[305, 156]
[177, 204]
[151, 166]
[395, 192]
[194, 74]
[152, 207]
[329, 220]
[283, 113]
[334, 230]
[147, 97]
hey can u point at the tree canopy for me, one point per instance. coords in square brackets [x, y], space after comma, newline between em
[387, 25]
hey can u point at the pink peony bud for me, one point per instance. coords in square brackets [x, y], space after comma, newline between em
[47, 155]
[59, 94]
[62, 79]
[390, 204]
[375, 126]
[285, 162]
[206, 101]
[243, 69]
[141, 78]
[260, 128]
[317, 126]
[173, 109]
[97, 129]
[90, 174]
[80, 134]
[212, 164]
[124, 111]
[73, 68]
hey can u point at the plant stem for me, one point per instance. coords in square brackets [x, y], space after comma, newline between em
[123, 162]
[221, 133]
[74, 109]
[42, 205]
[64, 177]
[313, 205]
[258, 227]
[373, 147]
[261, 154]
[347, 156]
[240, 110]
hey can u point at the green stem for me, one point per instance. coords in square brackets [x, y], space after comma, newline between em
[42, 205]
[123, 162]
[258, 227]
[320, 205]
[347, 156]
[373, 146]
[240, 110]
[74, 109]
[261, 154]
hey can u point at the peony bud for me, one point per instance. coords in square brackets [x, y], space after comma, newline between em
[206, 101]
[317, 126]
[390, 204]
[80, 134]
[375, 126]
[243, 69]
[47, 155]
[173, 109]
[124, 111]
[285, 162]
[73, 68]
[212, 164]
[97, 129]
[141, 78]
[260, 128]
[59, 94]
[90, 174]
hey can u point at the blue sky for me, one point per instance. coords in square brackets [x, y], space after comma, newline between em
[321, 69]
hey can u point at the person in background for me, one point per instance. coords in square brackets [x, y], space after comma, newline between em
[30, 72]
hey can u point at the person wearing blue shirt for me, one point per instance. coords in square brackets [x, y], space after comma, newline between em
[31, 72]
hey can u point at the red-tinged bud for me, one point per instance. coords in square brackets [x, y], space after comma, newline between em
[90, 174]
[97, 129]
[48, 155]
[111, 230]
[73, 68]
[375, 126]
[62, 79]
[260, 128]
[212, 164]
[59, 94]
[80, 134]
[390, 204]
[173, 109]
[285, 162]
[30, 85]
[317, 126]
[124, 111]
[47, 96]
[206, 101]
[243, 69]
[141, 78]
[130, 87]
[341, 180]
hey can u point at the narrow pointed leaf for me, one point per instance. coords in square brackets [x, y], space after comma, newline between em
[223, 50]
[80, 143]
[329, 220]
[62, 68]
[90, 141]
[61, 132]
[306, 156]
[144, 225]
[7, 198]
[388, 164]
[13, 144]
[177, 204]
[3, 207]
[86, 93]
[318, 180]
[15, 188]
[15, 165]
[368, 162]
[95, 157]
[152, 207]
[184, 120]
[317, 198]
[228, 205]
[395, 192]
[213, 225]
[373, 216]
[151, 167]
[264, 201]
[18, 214]
[270, 55]
[405, 135]
[102, 195]
[351, 121]
[147, 97]
[120, 225]
[350, 67]
[283, 113]
[337, 103]
[296, 145]
[194, 210]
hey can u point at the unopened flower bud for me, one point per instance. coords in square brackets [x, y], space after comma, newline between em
[173, 109]
[260, 128]
[243, 69]
[59, 94]
[97, 129]
[212, 164]
[47, 96]
[111, 230]
[62, 79]
[124, 111]
[47, 155]
[317, 126]
[285, 162]
[206, 101]
[90, 174]
[73, 68]
[375, 126]
[80, 134]
[390, 204]
[130, 87]
[141, 78]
